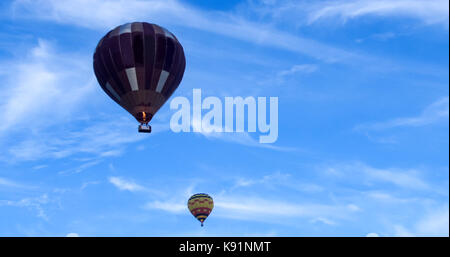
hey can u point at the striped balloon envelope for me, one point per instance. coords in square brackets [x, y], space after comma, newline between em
[200, 205]
[139, 65]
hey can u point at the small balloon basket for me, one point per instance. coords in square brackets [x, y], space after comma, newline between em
[144, 128]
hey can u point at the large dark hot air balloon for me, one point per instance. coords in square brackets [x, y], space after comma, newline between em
[139, 65]
[200, 205]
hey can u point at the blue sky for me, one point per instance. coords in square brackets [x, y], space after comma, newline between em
[363, 121]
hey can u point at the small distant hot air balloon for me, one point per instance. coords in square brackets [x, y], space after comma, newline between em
[139, 65]
[200, 205]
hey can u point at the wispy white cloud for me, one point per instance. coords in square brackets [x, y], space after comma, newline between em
[39, 167]
[99, 140]
[80, 166]
[43, 88]
[175, 203]
[88, 183]
[125, 185]
[301, 68]
[278, 179]
[33, 203]
[307, 12]
[383, 36]
[111, 13]
[387, 197]
[323, 220]
[430, 12]
[433, 223]
[4, 182]
[435, 112]
[41, 110]
[365, 174]
[72, 235]
[242, 138]
[252, 208]
[168, 206]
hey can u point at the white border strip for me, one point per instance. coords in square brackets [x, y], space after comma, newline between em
[131, 74]
[162, 80]
[112, 91]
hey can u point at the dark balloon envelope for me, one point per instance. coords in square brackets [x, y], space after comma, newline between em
[139, 65]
